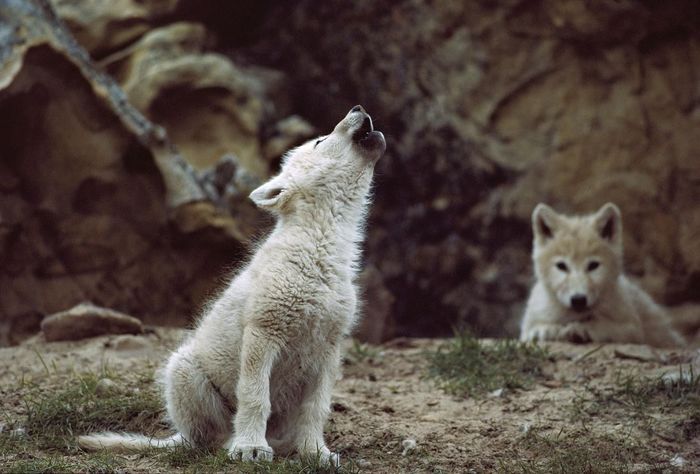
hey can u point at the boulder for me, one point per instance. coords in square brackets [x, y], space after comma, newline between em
[87, 320]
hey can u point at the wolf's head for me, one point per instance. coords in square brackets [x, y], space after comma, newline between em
[329, 174]
[577, 258]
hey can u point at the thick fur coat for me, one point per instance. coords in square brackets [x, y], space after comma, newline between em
[581, 293]
[257, 374]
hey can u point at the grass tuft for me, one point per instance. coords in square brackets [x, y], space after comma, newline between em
[466, 366]
[361, 352]
[668, 391]
[56, 417]
[22, 455]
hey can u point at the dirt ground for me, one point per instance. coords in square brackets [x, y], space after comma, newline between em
[575, 418]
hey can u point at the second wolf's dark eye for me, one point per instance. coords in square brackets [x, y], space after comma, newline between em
[593, 265]
[319, 141]
[562, 266]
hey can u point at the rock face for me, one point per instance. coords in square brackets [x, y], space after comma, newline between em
[87, 320]
[131, 191]
[490, 108]
[96, 201]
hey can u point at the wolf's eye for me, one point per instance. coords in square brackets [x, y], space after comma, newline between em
[592, 265]
[562, 266]
[319, 141]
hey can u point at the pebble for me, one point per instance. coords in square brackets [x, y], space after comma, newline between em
[105, 386]
[678, 461]
[408, 445]
[498, 393]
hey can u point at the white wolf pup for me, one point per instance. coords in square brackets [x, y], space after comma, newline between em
[259, 369]
[581, 293]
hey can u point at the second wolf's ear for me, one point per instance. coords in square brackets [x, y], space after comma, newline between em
[545, 222]
[270, 194]
[608, 222]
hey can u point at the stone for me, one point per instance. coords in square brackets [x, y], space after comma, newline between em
[638, 353]
[409, 445]
[105, 386]
[87, 320]
[130, 343]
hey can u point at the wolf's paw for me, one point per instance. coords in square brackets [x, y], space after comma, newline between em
[576, 333]
[324, 456]
[330, 459]
[541, 333]
[250, 453]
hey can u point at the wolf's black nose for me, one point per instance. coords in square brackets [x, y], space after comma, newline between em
[357, 108]
[579, 303]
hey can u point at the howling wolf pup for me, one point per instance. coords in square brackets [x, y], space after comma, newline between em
[259, 369]
[582, 294]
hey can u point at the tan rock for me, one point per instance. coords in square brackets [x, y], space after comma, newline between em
[210, 106]
[87, 320]
[106, 25]
[288, 132]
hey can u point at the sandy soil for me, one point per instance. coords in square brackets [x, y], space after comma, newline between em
[385, 398]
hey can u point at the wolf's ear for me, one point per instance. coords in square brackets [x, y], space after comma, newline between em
[545, 222]
[270, 194]
[608, 223]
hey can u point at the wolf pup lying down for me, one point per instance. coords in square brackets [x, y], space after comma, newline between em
[259, 369]
[581, 294]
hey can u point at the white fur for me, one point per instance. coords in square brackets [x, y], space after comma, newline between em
[127, 442]
[582, 257]
[258, 372]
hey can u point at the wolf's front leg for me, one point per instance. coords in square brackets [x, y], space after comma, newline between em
[258, 355]
[314, 411]
[541, 332]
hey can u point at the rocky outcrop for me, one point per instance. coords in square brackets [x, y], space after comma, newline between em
[97, 202]
[210, 106]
